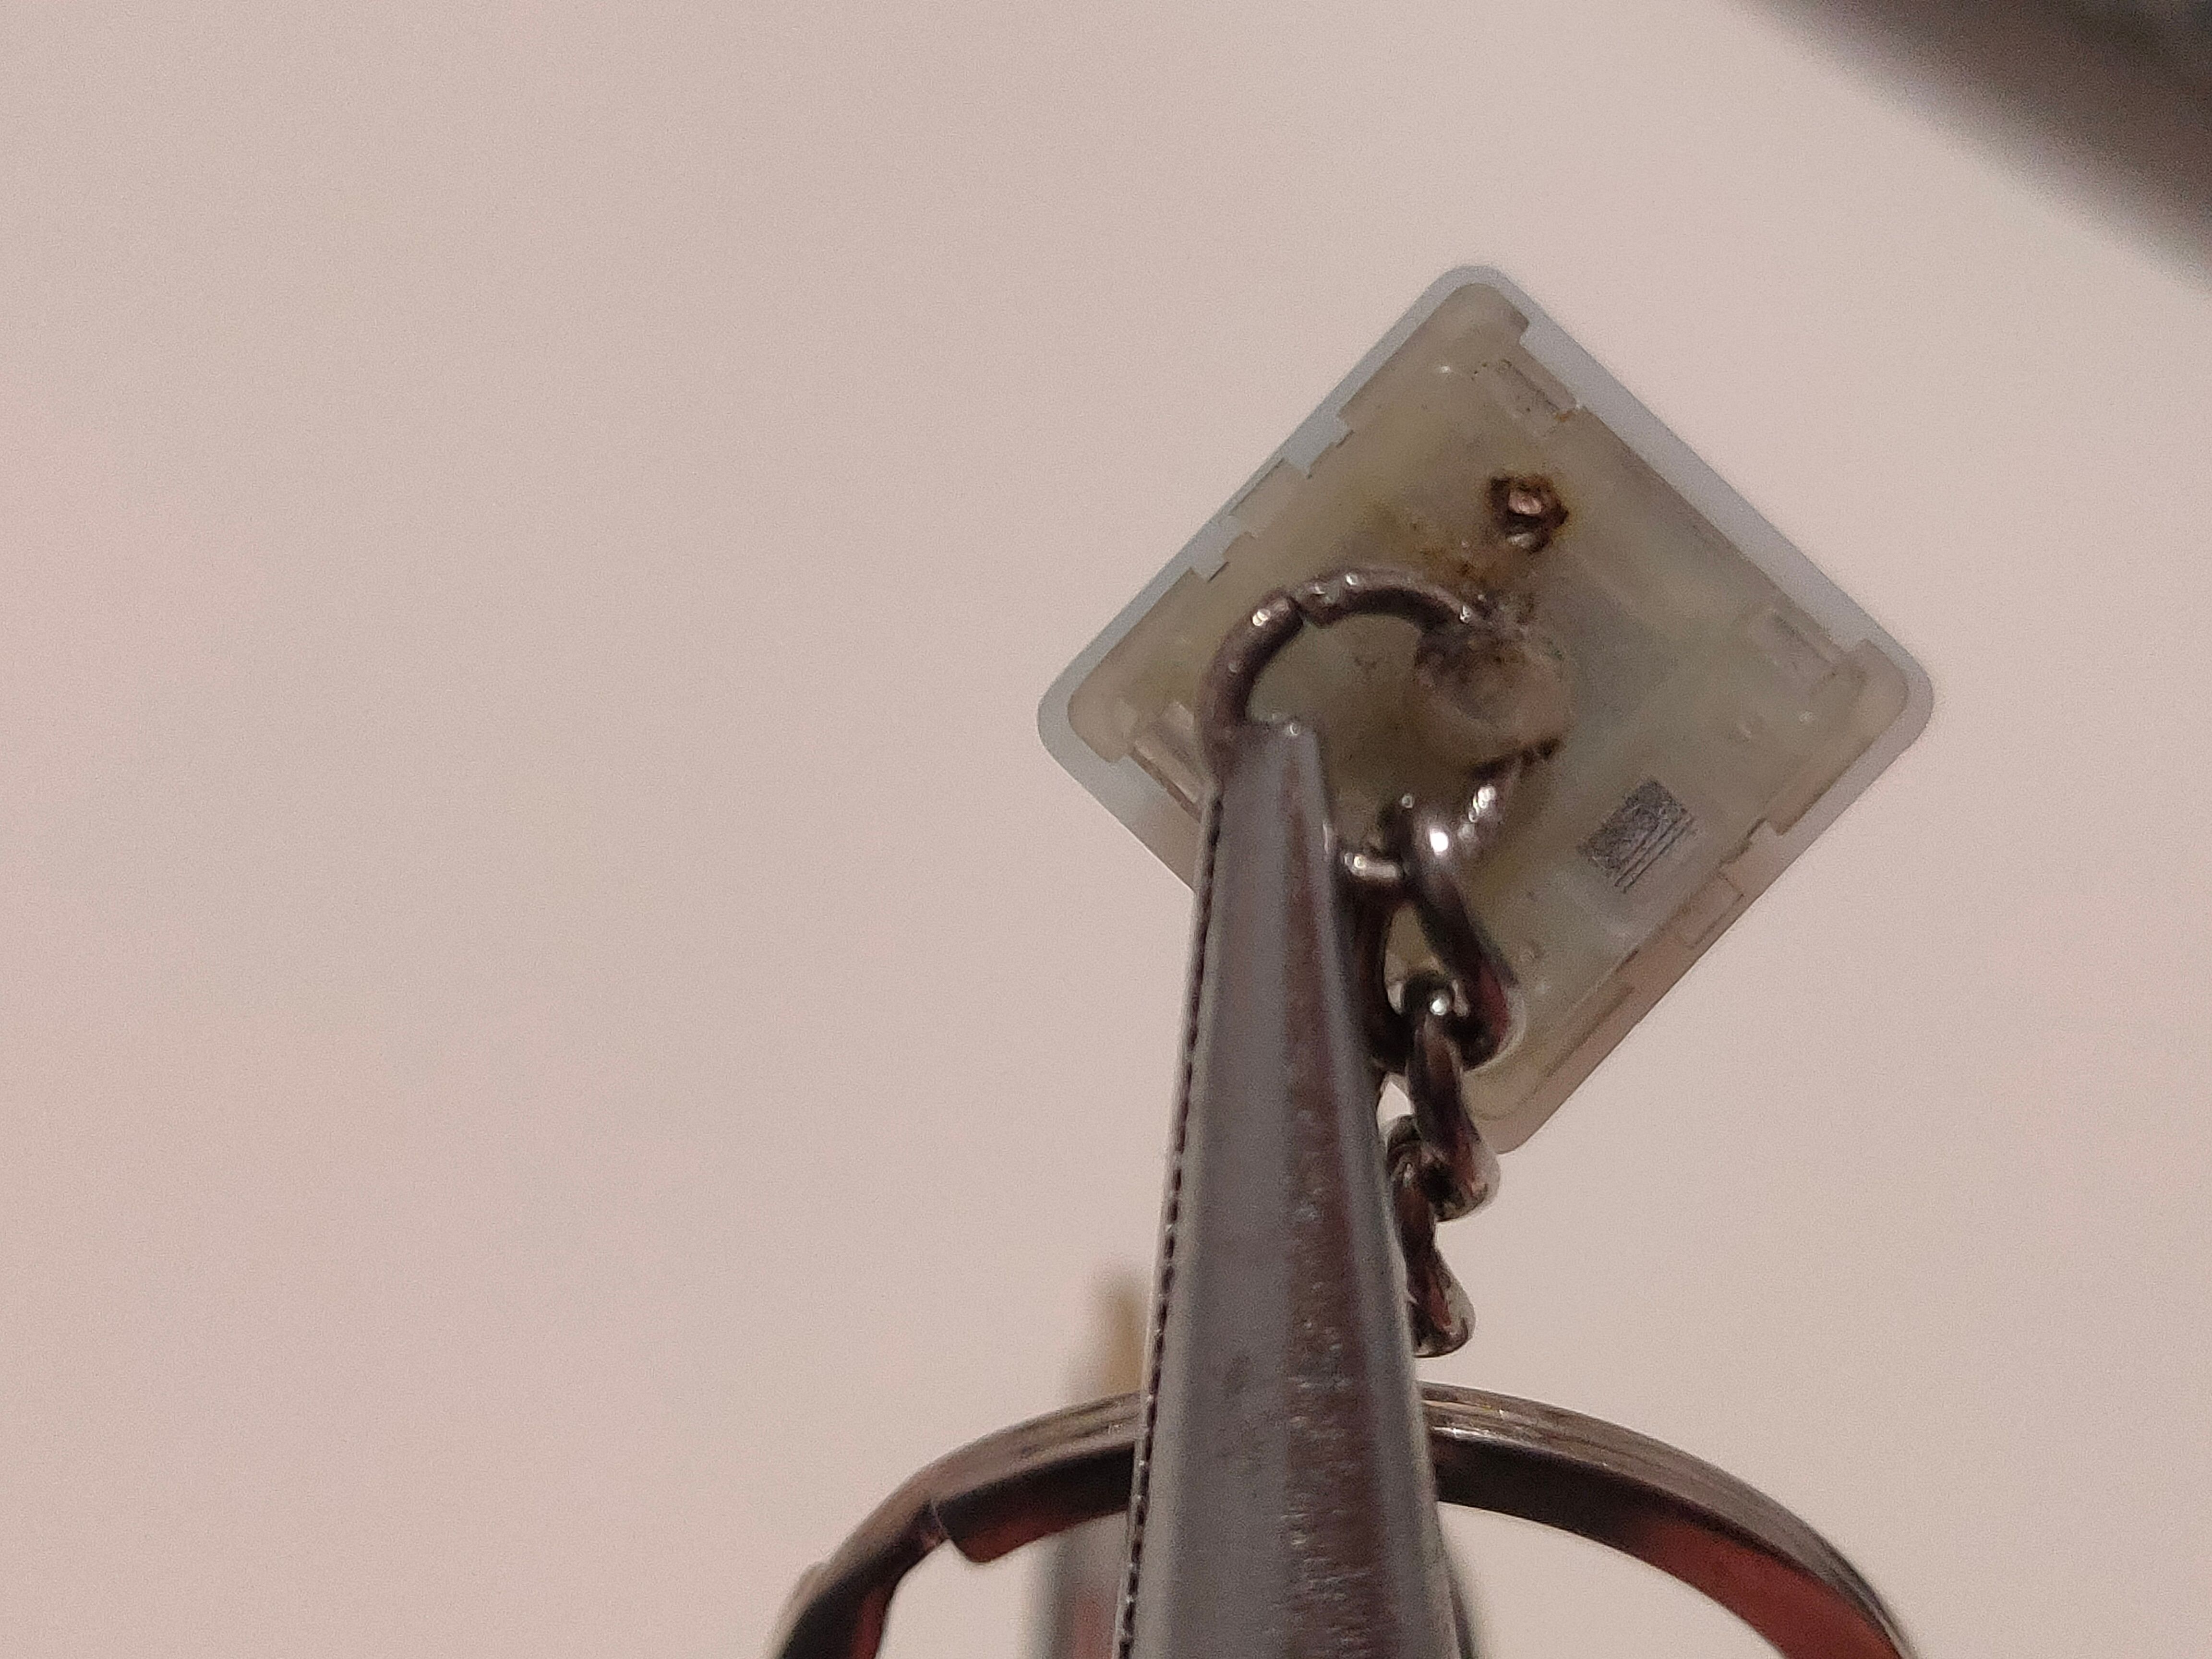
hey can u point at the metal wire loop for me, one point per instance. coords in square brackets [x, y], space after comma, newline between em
[1225, 695]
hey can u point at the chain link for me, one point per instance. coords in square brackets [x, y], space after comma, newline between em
[1439, 1166]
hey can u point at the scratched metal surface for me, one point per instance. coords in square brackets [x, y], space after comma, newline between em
[1283, 1480]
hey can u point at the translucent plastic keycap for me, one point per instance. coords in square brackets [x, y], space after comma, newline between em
[1727, 699]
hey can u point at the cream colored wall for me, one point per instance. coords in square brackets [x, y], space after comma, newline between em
[559, 1031]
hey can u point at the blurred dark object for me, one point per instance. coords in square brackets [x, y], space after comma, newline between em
[2114, 95]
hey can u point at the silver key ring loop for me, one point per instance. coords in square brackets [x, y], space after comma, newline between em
[1225, 695]
[1558, 1468]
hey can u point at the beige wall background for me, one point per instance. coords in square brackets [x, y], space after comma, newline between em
[559, 1032]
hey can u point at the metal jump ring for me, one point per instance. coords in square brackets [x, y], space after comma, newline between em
[1225, 695]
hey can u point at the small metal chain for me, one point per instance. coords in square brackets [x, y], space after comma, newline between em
[1439, 1166]
[1440, 1023]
